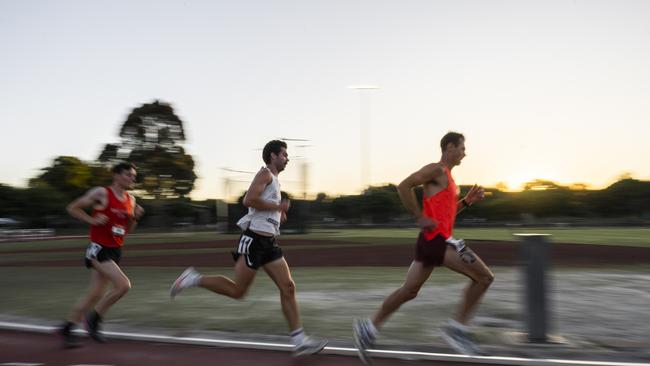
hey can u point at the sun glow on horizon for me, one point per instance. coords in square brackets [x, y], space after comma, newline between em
[519, 178]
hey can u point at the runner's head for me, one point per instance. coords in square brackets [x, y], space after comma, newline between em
[124, 175]
[275, 154]
[453, 147]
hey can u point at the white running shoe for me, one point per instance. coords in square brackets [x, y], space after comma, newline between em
[310, 346]
[461, 341]
[187, 279]
[363, 339]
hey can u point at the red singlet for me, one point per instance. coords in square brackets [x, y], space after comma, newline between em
[442, 207]
[111, 235]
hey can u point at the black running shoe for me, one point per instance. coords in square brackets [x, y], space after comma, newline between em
[70, 340]
[93, 327]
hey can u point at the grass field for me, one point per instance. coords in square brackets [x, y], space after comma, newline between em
[636, 236]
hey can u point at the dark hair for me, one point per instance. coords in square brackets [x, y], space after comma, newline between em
[274, 146]
[120, 167]
[451, 137]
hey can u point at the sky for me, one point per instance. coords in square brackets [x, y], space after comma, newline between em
[556, 90]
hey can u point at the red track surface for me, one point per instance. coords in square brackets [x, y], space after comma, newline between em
[494, 253]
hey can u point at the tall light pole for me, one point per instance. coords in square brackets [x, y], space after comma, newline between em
[364, 130]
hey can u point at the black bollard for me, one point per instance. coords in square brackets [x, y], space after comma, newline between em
[535, 250]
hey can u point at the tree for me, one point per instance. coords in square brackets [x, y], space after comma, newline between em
[71, 177]
[382, 203]
[39, 206]
[152, 138]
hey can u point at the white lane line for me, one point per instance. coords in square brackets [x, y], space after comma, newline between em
[20, 364]
[333, 350]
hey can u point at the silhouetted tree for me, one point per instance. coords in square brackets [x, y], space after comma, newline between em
[152, 138]
[71, 177]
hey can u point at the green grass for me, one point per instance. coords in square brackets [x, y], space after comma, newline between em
[633, 236]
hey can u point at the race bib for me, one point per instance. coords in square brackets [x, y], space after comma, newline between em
[458, 244]
[92, 251]
[118, 231]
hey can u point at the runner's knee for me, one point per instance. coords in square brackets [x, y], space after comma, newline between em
[123, 287]
[239, 293]
[410, 293]
[485, 280]
[288, 289]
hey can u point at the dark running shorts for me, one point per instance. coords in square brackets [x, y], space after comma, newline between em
[430, 252]
[257, 250]
[102, 254]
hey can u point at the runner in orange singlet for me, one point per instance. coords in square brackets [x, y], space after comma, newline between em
[114, 214]
[435, 247]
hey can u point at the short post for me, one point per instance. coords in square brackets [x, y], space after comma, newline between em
[535, 250]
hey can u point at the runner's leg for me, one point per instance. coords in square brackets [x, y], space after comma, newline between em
[223, 285]
[415, 277]
[121, 284]
[469, 264]
[279, 272]
[96, 291]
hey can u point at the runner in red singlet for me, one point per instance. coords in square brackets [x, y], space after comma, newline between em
[114, 214]
[435, 247]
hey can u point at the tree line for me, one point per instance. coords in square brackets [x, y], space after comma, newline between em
[43, 205]
[152, 137]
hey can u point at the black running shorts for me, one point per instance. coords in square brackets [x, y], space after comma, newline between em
[430, 252]
[102, 254]
[257, 250]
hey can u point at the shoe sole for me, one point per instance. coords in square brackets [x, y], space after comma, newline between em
[457, 346]
[310, 352]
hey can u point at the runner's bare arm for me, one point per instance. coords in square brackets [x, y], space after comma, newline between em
[253, 197]
[93, 197]
[406, 188]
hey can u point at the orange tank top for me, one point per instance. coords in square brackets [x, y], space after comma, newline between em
[441, 207]
[111, 234]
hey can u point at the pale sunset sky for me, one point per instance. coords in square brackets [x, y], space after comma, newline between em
[558, 90]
